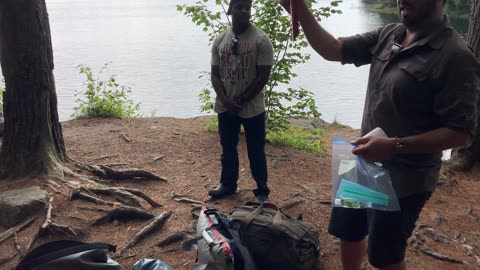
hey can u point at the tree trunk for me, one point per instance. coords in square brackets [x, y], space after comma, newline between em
[33, 140]
[464, 158]
[473, 38]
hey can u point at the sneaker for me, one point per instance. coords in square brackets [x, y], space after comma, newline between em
[221, 191]
[261, 198]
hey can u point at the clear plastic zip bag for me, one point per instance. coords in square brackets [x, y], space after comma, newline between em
[357, 183]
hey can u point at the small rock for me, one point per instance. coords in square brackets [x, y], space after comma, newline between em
[275, 163]
[116, 222]
[437, 218]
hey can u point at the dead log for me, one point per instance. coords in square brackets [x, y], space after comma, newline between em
[172, 238]
[292, 203]
[123, 213]
[153, 225]
[121, 174]
[76, 193]
[12, 231]
[441, 257]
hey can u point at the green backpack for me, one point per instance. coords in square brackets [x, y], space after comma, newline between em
[276, 240]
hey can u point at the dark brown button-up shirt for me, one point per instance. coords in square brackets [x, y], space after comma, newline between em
[432, 83]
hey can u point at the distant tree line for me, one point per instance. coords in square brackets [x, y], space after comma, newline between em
[454, 8]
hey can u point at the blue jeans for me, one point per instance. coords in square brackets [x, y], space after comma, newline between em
[229, 128]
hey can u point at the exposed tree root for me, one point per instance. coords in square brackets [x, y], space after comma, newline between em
[12, 231]
[121, 174]
[172, 238]
[441, 257]
[143, 196]
[76, 193]
[154, 224]
[92, 209]
[8, 258]
[472, 253]
[292, 203]
[50, 227]
[123, 213]
[124, 195]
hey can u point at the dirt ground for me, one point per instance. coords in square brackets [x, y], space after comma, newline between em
[191, 164]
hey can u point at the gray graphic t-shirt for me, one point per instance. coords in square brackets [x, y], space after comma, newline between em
[238, 64]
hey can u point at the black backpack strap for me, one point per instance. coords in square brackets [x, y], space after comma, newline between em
[57, 249]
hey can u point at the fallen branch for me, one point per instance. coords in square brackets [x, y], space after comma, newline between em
[115, 164]
[123, 213]
[306, 188]
[76, 193]
[154, 224]
[102, 157]
[12, 231]
[172, 238]
[125, 137]
[187, 200]
[158, 158]
[438, 237]
[441, 257]
[292, 203]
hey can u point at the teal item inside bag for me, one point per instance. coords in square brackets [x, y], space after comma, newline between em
[351, 190]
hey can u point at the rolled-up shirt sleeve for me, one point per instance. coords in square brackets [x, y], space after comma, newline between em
[358, 49]
[456, 103]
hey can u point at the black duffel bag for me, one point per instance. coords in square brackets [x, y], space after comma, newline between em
[275, 240]
[70, 255]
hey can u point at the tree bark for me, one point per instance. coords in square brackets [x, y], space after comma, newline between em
[473, 37]
[33, 141]
[465, 158]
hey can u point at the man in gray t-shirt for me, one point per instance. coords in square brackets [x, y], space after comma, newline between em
[242, 58]
[423, 91]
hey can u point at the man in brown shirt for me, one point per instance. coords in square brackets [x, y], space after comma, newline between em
[423, 90]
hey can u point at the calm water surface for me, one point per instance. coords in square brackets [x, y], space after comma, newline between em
[161, 54]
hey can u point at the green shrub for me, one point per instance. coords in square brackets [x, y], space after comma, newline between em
[104, 97]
